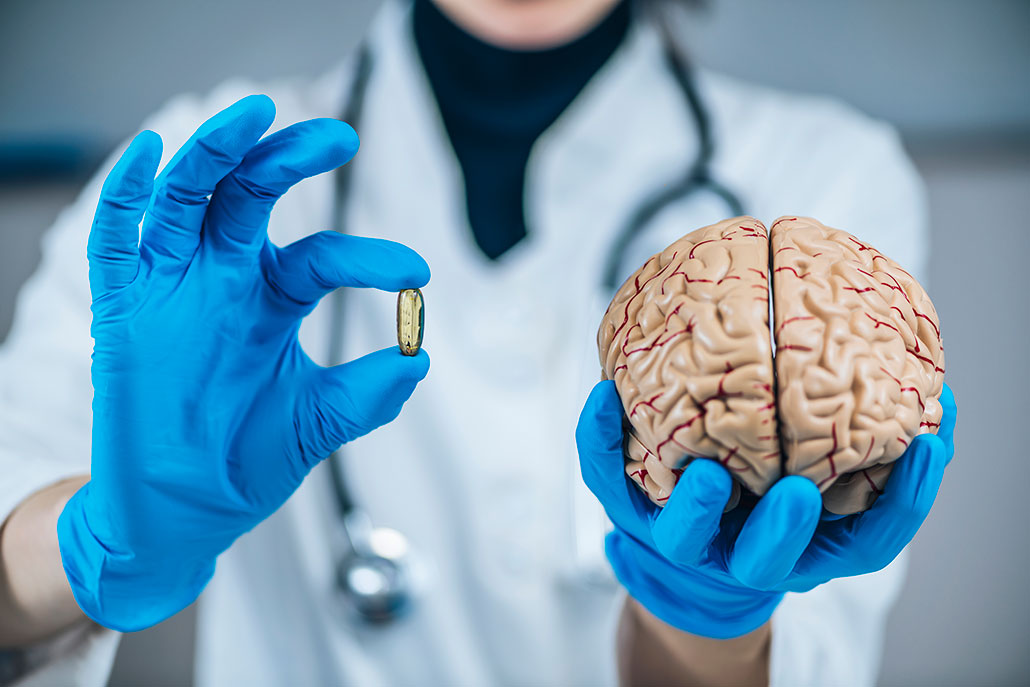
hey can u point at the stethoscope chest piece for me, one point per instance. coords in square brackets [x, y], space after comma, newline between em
[373, 576]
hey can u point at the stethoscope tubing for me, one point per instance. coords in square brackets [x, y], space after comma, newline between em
[696, 177]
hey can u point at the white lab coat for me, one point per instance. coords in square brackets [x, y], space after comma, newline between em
[479, 469]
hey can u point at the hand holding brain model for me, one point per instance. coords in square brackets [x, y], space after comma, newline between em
[838, 408]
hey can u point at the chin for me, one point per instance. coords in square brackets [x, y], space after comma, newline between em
[526, 24]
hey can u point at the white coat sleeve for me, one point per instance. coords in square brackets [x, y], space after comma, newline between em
[45, 388]
[45, 418]
[860, 180]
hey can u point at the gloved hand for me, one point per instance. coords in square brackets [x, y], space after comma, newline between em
[207, 414]
[721, 575]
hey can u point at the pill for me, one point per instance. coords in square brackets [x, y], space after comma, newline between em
[411, 318]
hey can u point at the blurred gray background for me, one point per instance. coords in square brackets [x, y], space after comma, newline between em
[75, 78]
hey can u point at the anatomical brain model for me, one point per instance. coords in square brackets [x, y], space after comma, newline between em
[850, 371]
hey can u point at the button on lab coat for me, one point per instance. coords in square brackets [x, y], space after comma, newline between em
[479, 471]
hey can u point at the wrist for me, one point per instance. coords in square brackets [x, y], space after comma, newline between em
[106, 581]
[35, 600]
[652, 652]
[689, 600]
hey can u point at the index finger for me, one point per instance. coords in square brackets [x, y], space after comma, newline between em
[686, 526]
[308, 269]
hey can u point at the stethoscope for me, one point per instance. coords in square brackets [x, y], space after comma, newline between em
[374, 571]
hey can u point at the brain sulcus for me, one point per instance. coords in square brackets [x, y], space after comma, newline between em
[849, 371]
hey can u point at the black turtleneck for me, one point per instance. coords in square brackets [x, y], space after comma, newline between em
[495, 102]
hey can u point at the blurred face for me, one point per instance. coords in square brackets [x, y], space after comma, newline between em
[526, 24]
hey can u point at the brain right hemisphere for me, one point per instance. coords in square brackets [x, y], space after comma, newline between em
[859, 362]
[855, 374]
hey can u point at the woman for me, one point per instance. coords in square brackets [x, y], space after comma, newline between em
[508, 143]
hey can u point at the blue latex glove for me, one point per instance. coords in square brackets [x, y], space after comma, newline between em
[207, 414]
[721, 575]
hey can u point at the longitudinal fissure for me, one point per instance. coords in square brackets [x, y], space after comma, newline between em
[770, 271]
[679, 372]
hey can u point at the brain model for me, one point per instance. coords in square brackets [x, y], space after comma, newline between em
[849, 372]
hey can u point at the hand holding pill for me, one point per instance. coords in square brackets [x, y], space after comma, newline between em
[207, 413]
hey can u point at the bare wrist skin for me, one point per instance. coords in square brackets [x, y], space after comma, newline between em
[653, 653]
[36, 602]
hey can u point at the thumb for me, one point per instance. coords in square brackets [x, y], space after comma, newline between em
[599, 441]
[350, 400]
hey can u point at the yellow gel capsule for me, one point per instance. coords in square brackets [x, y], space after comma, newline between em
[411, 318]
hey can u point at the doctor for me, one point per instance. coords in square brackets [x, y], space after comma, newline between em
[506, 144]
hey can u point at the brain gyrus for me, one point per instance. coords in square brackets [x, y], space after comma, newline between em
[848, 372]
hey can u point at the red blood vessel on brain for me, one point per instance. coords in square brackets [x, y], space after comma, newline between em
[850, 370]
